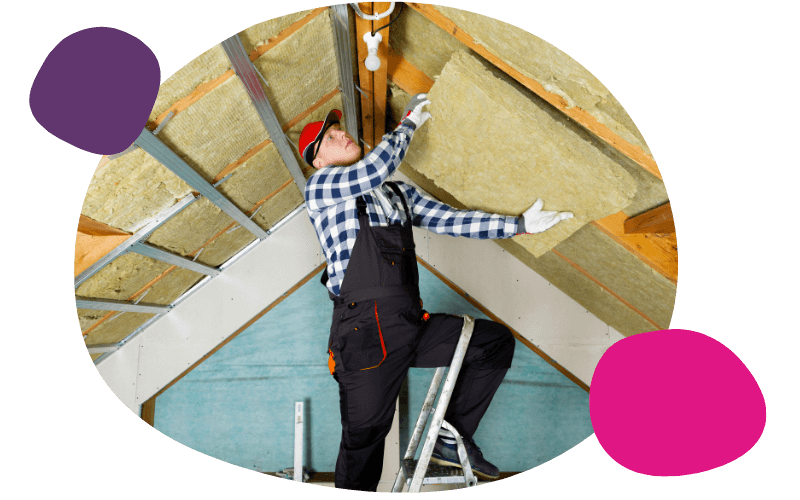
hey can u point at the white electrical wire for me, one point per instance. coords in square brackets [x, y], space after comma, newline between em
[373, 17]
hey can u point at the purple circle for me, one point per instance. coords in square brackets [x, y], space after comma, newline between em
[95, 90]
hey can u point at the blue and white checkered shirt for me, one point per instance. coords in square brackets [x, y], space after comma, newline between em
[331, 203]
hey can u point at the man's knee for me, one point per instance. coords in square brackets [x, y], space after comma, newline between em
[497, 341]
[508, 342]
[358, 438]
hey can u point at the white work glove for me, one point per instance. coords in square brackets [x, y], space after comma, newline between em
[413, 111]
[534, 220]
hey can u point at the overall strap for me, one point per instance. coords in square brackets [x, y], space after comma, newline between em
[361, 205]
[402, 199]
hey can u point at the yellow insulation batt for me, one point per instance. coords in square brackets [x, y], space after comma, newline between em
[494, 150]
[213, 63]
[116, 328]
[553, 69]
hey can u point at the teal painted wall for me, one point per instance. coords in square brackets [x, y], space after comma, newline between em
[238, 405]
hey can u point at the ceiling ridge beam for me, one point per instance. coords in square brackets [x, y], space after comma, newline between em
[582, 117]
[365, 79]
[89, 249]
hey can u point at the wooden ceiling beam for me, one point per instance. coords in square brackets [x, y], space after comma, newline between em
[407, 76]
[659, 251]
[658, 220]
[89, 226]
[94, 240]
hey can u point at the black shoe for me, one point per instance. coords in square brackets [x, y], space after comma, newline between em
[447, 454]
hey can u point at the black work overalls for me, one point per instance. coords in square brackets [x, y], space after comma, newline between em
[382, 269]
[377, 333]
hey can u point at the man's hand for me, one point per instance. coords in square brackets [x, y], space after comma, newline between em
[413, 111]
[534, 220]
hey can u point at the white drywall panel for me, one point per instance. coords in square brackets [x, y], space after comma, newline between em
[220, 307]
[119, 373]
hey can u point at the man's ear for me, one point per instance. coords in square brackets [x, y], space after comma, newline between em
[318, 163]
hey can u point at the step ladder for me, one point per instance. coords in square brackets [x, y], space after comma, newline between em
[416, 473]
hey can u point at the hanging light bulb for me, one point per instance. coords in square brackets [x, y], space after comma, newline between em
[372, 62]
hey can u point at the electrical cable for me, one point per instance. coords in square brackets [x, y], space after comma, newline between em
[393, 20]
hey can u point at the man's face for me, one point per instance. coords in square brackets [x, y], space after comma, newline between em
[337, 148]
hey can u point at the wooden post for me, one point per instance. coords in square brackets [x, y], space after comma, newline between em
[379, 76]
[365, 78]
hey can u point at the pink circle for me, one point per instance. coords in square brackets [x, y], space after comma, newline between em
[674, 402]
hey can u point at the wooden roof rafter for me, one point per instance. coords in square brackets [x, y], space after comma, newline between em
[582, 117]
[658, 220]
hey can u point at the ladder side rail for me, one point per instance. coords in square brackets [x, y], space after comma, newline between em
[427, 406]
[444, 400]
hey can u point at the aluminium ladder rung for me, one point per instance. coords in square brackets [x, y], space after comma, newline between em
[436, 474]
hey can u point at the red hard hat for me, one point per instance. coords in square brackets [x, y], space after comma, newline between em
[312, 134]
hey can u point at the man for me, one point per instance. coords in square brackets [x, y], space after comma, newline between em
[379, 329]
